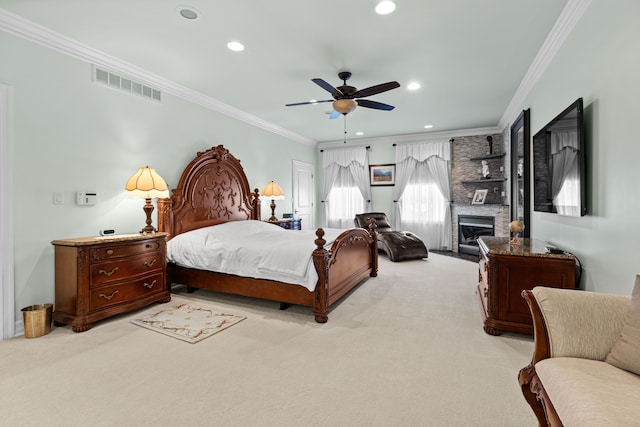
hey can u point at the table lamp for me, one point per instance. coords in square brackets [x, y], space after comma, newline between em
[147, 184]
[273, 192]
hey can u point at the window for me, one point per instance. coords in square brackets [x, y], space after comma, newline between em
[424, 209]
[344, 201]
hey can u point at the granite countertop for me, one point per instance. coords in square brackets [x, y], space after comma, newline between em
[527, 247]
[81, 241]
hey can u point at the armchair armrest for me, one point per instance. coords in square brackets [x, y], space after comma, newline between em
[576, 323]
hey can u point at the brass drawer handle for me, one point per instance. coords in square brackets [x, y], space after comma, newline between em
[109, 273]
[108, 298]
[150, 264]
[109, 251]
[149, 285]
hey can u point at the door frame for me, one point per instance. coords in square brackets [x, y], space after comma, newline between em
[7, 291]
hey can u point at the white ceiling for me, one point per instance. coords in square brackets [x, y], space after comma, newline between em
[470, 56]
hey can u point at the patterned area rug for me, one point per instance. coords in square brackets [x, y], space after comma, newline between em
[188, 322]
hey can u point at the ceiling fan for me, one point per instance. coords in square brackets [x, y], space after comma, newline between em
[346, 98]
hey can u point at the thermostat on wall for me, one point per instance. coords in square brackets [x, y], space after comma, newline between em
[86, 198]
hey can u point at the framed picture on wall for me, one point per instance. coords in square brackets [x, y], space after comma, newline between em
[479, 197]
[382, 174]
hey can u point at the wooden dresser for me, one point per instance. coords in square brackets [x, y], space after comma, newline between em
[98, 277]
[506, 271]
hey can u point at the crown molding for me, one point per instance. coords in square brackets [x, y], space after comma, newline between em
[566, 22]
[31, 31]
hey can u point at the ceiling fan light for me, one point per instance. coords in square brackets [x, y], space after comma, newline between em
[235, 46]
[344, 106]
[385, 7]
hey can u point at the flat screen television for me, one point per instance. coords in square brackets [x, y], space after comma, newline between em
[559, 164]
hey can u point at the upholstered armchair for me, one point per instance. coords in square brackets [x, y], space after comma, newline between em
[582, 371]
[398, 245]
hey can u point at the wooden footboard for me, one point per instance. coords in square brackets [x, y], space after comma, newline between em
[352, 257]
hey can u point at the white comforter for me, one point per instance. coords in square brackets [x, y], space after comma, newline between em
[251, 249]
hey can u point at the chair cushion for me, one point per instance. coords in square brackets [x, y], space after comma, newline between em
[402, 245]
[589, 392]
[625, 353]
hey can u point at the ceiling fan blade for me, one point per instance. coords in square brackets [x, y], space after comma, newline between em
[326, 86]
[374, 104]
[308, 102]
[373, 90]
[334, 114]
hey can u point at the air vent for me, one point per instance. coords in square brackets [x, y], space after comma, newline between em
[125, 84]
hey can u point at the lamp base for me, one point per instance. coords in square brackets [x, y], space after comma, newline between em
[273, 211]
[148, 210]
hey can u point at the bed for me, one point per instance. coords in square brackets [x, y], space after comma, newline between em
[213, 190]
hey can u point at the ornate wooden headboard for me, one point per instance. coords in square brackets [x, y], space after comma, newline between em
[212, 189]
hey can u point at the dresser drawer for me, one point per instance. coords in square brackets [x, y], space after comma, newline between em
[126, 250]
[126, 291]
[105, 272]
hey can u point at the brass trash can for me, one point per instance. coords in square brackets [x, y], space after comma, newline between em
[37, 320]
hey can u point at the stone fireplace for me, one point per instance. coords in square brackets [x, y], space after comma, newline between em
[499, 214]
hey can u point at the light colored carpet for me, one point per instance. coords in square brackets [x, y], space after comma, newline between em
[187, 322]
[403, 349]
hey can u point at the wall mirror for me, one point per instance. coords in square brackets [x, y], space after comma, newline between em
[521, 171]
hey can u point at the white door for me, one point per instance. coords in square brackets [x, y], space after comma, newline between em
[303, 193]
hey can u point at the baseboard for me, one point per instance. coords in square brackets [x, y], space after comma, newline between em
[18, 328]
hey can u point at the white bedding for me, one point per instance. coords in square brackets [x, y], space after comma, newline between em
[251, 249]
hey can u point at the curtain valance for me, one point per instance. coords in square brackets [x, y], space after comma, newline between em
[344, 156]
[561, 140]
[423, 151]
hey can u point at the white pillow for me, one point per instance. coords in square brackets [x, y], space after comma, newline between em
[625, 354]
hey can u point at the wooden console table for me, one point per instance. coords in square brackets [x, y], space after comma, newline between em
[505, 271]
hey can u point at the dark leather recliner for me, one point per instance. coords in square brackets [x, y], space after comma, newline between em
[398, 245]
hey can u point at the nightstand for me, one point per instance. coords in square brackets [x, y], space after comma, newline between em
[98, 277]
[288, 223]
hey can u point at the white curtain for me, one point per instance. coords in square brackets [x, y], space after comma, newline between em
[346, 190]
[423, 191]
[565, 186]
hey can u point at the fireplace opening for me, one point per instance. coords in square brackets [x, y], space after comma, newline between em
[470, 229]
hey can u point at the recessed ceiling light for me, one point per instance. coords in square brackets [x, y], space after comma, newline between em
[235, 46]
[188, 13]
[413, 86]
[385, 7]
[359, 133]
[428, 126]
